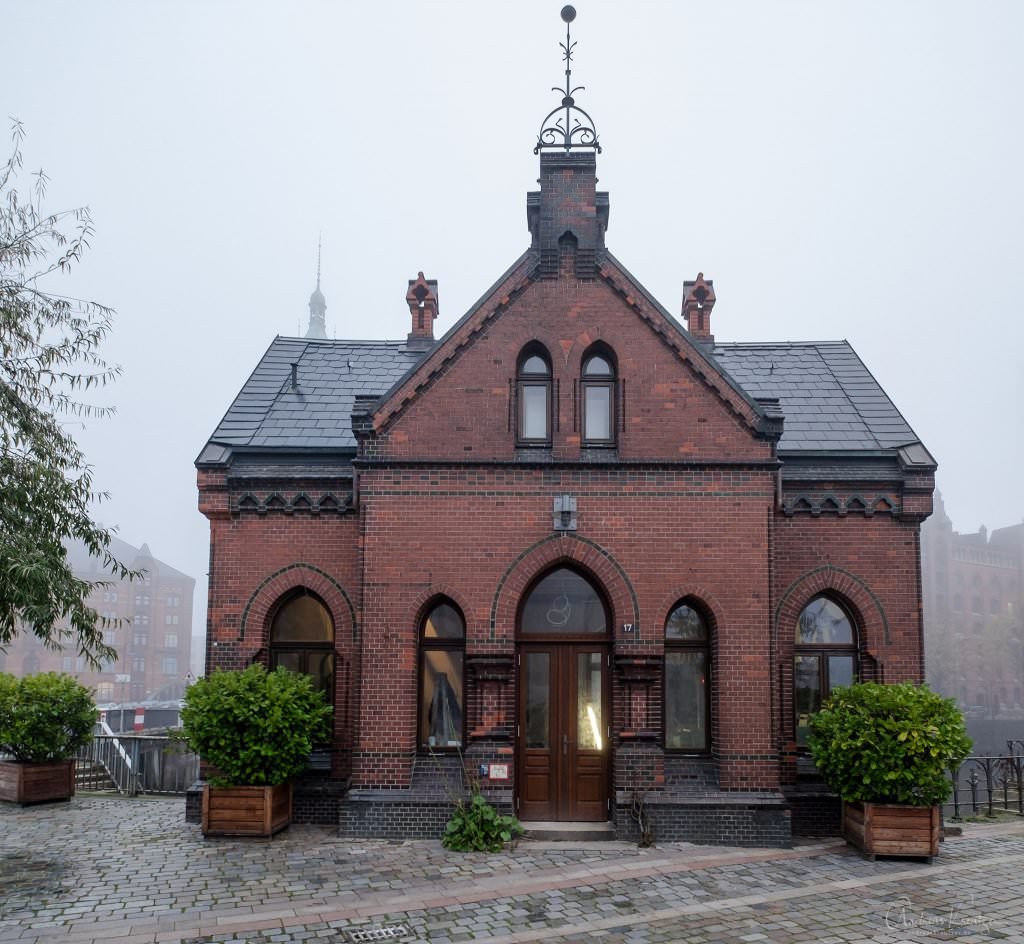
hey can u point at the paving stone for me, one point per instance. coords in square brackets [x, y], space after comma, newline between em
[117, 870]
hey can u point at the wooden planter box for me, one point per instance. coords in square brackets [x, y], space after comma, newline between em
[891, 829]
[246, 811]
[25, 783]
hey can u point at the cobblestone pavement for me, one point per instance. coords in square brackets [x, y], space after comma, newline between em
[122, 871]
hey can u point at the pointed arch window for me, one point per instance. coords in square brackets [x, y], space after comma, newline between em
[302, 639]
[597, 395]
[825, 658]
[687, 680]
[533, 394]
[563, 603]
[442, 663]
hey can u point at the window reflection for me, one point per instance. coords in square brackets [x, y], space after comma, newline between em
[302, 640]
[687, 691]
[565, 603]
[824, 659]
[598, 399]
[588, 701]
[442, 657]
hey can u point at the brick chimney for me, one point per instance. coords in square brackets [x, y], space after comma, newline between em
[422, 300]
[698, 300]
[568, 216]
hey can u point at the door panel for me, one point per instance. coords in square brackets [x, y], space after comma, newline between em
[563, 750]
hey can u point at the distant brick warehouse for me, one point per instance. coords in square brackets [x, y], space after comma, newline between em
[589, 553]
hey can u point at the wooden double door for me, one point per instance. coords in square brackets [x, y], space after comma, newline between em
[563, 732]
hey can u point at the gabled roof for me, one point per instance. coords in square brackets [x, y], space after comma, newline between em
[269, 413]
[829, 398]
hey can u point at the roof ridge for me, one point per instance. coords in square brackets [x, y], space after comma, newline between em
[781, 343]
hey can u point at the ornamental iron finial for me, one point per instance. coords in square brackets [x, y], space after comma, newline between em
[568, 126]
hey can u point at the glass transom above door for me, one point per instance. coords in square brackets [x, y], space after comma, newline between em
[563, 602]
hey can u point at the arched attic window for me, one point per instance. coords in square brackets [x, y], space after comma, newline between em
[442, 661]
[825, 658]
[533, 395]
[302, 639]
[687, 679]
[597, 396]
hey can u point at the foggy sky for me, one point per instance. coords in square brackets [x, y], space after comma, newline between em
[841, 170]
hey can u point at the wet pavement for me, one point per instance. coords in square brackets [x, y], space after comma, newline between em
[122, 871]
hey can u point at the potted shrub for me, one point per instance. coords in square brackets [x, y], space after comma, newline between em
[256, 729]
[44, 719]
[886, 751]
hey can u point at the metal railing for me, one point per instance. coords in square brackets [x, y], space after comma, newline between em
[133, 764]
[987, 784]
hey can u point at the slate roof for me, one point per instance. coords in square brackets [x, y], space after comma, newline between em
[829, 398]
[316, 414]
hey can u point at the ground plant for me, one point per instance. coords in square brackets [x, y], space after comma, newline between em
[476, 826]
[875, 743]
[45, 717]
[257, 728]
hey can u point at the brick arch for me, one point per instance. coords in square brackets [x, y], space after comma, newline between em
[423, 602]
[872, 623]
[287, 579]
[702, 595]
[584, 555]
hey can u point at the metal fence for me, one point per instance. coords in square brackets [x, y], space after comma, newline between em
[987, 784]
[134, 764]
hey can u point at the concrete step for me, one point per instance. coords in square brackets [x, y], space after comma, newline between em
[569, 832]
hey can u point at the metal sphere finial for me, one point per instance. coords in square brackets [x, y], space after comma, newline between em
[568, 126]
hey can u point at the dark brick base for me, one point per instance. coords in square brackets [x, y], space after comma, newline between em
[399, 814]
[816, 812]
[719, 821]
[315, 801]
[194, 802]
[372, 814]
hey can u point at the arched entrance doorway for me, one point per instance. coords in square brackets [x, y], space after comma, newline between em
[563, 754]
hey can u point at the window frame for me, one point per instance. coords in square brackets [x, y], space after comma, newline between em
[607, 382]
[822, 652]
[526, 631]
[304, 647]
[530, 379]
[446, 644]
[703, 647]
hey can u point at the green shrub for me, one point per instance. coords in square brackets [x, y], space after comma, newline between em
[257, 728]
[888, 743]
[44, 717]
[476, 826]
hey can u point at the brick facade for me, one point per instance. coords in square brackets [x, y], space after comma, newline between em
[437, 498]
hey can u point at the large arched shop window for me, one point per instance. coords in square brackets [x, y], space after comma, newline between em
[687, 680]
[302, 639]
[442, 659]
[825, 658]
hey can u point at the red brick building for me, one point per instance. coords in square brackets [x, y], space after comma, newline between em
[591, 554]
[152, 635]
[973, 600]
